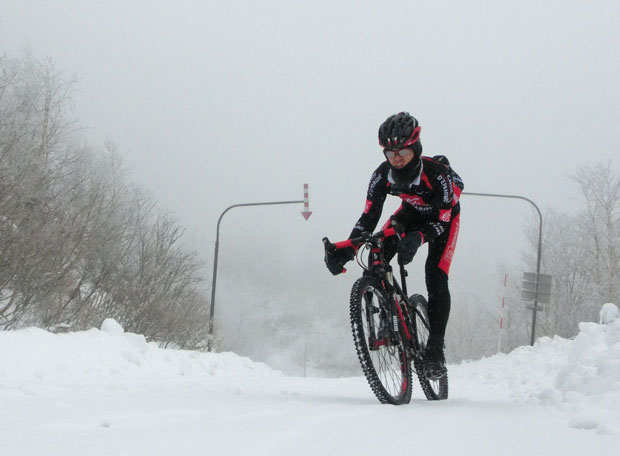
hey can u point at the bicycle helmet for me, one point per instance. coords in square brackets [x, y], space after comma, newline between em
[399, 131]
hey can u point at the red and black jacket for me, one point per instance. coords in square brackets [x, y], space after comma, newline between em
[431, 199]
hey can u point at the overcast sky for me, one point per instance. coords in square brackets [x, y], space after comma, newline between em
[214, 103]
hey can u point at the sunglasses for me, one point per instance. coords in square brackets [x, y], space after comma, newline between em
[404, 153]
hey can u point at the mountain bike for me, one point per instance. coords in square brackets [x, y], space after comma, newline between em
[390, 330]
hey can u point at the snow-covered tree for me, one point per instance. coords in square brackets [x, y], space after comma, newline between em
[78, 242]
[581, 250]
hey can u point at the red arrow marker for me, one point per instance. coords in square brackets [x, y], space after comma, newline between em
[306, 213]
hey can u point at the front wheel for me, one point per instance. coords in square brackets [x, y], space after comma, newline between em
[383, 357]
[433, 389]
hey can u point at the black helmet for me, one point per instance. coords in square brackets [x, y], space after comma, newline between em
[399, 131]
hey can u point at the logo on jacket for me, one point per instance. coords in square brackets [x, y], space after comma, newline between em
[447, 197]
[414, 200]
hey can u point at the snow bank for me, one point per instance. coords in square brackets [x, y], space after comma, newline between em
[580, 376]
[588, 384]
[110, 353]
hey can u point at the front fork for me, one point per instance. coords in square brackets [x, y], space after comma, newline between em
[395, 319]
[402, 317]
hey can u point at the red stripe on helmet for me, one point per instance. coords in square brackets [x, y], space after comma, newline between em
[413, 138]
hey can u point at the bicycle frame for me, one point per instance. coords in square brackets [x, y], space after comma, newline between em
[397, 296]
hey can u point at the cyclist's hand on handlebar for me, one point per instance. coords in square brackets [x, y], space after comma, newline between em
[409, 245]
[336, 259]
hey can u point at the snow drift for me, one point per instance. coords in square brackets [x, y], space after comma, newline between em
[110, 353]
[580, 376]
[105, 391]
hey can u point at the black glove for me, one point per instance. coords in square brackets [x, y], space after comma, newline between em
[336, 260]
[408, 246]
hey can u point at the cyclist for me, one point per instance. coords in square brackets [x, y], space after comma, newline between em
[429, 212]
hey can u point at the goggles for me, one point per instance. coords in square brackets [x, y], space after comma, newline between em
[404, 153]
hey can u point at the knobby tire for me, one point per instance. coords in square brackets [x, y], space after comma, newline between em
[386, 367]
[434, 390]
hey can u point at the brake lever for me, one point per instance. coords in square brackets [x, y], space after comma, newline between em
[329, 247]
[399, 228]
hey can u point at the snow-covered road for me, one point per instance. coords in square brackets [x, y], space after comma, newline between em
[102, 392]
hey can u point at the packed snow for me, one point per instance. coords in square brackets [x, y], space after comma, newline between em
[108, 392]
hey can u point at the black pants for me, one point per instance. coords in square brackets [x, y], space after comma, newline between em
[437, 268]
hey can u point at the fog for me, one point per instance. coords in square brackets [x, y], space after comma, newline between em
[218, 103]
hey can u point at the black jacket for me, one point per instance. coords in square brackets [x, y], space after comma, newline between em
[430, 202]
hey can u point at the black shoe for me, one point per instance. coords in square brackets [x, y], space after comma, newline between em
[434, 363]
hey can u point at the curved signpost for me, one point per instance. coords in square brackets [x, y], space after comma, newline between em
[538, 256]
[306, 213]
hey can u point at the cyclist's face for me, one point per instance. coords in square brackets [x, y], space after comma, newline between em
[401, 158]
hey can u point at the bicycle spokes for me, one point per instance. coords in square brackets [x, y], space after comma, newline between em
[383, 357]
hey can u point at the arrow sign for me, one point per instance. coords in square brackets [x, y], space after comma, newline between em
[306, 213]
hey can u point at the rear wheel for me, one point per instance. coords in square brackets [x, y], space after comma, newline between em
[382, 355]
[433, 389]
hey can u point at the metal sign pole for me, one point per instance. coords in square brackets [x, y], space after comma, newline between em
[539, 254]
[306, 214]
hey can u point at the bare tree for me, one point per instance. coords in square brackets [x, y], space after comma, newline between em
[33, 126]
[78, 242]
[600, 188]
[582, 253]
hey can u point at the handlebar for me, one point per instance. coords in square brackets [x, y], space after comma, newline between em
[396, 229]
[355, 243]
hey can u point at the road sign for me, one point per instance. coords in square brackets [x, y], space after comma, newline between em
[543, 279]
[538, 308]
[531, 282]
